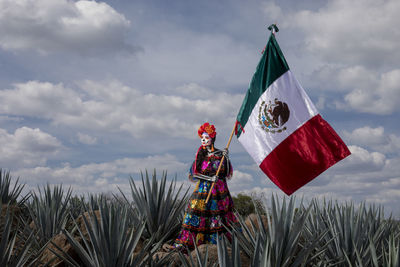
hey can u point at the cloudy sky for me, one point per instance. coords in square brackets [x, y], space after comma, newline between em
[92, 92]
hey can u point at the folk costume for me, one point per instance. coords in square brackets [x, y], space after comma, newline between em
[203, 222]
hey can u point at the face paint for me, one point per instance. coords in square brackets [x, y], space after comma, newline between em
[205, 140]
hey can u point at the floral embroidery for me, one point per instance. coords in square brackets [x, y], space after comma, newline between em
[203, 222]
[187, 218]
[195, 221]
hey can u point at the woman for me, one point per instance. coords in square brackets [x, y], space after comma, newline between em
[203, 221]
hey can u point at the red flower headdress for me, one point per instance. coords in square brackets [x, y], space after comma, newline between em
[207, 128]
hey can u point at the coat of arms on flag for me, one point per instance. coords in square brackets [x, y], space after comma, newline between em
[273, 116]
[281, 128]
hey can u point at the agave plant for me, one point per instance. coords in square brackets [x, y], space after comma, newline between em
[161, 207]
[349, 232]
[226, 259]
[10, 195]
[112, 240]
[14, 252]
[249, 237]
[283, 241]
[199, 260]
[286, 243]
[164, 261]
[49, 211]
[391, 258]
[76, 206]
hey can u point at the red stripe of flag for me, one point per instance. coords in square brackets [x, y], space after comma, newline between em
[303, 155]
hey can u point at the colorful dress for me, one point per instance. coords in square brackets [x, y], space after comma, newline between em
[202, 222]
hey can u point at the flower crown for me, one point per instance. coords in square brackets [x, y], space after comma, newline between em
[207, 128]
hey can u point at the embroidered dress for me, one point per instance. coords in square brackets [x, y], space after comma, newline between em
[203, 222]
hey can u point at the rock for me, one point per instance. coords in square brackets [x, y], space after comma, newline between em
[167, 247]
[253, 218]
[244, 260]
[139, 246]
[201, 250]
[62, 242]
[12, 210]
[81, 223]
[32, 225]
[212, 253]
[173, 257]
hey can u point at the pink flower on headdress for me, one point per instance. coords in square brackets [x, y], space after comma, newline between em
[207, 128]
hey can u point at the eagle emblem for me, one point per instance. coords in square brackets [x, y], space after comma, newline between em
[272, 116]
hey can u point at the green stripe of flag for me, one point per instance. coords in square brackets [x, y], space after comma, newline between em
[271, 66]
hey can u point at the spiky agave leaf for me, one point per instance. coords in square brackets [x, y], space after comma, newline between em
[49, 211]
[281, 242]
[8, 194]
[349, 232]
[164, 261]
[285, 227]
[392, 257]
[112, 240]
[224, 258]
[186, 261]
[161, 207]
[76, 206]
[249, 236]
[389, 256]
[200, 261]
[318, 222]
[13, 252]
[135, 216]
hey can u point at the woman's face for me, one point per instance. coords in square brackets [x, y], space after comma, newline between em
[205, 140]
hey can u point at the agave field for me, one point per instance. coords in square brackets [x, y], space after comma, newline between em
[54, 227]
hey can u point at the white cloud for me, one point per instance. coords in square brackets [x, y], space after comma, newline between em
[164, 117]
[114, 107]
[194, 91]
[86, 139]
[5, 118]
[352, 49]
[361, 161]
[320, 104]
[358, 32]
[326, 78]
[381, 98]
[374, 138]
[272, 11]
[205, 58]
[358, 45]
[366, 136]
[84, 27]
[240, 181]
[241, 177]
[27, 147]
[373, 186]
[360, 89]
[44, 100]
[100, 177]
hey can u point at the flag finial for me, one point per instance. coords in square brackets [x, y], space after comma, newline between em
[273, 28]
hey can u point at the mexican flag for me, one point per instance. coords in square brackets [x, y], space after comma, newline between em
[280, 127]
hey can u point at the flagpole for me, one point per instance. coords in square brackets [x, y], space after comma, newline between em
[273, 28]
[221, 163]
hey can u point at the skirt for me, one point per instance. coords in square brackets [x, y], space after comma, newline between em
[203, 222]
